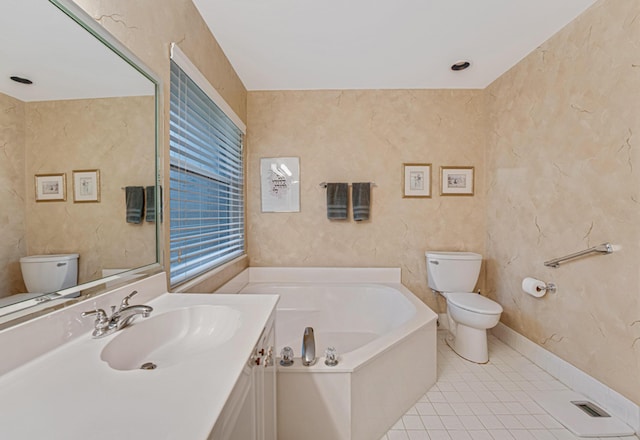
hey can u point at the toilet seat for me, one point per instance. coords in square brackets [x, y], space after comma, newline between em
[474, 303]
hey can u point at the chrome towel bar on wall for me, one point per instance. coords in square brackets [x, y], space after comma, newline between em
[604, 248]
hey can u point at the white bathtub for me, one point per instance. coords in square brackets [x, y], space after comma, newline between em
[384, 335]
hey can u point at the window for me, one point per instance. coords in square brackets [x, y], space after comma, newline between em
[206, 179]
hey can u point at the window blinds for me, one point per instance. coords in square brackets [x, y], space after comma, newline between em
[206, 182]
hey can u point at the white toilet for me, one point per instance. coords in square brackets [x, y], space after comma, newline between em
[454, 275]
[49, 273]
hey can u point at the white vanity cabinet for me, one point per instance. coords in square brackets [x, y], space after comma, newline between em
[250, 411]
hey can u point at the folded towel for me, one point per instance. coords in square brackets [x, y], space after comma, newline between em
[361, 200]
[134, 196]
[150, 203]
[337, 201]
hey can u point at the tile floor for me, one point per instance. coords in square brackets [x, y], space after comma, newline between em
[483, 402]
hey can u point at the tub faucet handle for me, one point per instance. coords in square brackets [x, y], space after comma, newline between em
[308, 347]
[331, 357]
[286, 357]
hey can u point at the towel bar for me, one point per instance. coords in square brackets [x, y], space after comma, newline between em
[604, 248]
[324, 184]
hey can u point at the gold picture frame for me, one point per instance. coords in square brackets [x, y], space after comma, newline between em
[51, 187]
[86, 186]
[417, 180]
[457, 181]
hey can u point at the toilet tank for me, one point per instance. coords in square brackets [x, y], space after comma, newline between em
[49, 273]
[453, 271]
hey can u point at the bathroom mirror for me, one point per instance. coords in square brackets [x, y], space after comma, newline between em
[78, 125]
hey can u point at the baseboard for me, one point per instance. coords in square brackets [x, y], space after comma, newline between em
[576, 379]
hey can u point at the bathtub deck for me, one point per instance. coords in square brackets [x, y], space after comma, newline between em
[483, 402]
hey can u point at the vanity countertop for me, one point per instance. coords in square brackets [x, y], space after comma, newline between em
[71, 393]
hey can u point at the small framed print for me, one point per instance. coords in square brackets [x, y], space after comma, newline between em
[456, 181]
[86, 186]
[51, 187]
[417, 180]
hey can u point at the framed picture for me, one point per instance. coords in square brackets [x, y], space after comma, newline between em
[51, 187]
[280, 184]
[456, 181]
[417, 180]
[86, 186]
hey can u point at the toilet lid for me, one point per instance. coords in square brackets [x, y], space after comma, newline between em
[474, 303]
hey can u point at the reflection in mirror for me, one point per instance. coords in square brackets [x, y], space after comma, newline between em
[77, 128]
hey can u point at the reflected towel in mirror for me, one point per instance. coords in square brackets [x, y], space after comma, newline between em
[134, 196]
[150, 215]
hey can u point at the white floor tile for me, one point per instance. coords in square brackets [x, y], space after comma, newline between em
[439, 435]
[483, 402]
[412, 422]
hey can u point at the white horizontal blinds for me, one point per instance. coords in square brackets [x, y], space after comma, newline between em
[206, 182]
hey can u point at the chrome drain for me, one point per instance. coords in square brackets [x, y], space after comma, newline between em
[148, 366]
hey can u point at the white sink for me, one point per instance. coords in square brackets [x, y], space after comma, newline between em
[172, 337]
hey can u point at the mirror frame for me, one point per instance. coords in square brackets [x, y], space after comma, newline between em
[102, 285]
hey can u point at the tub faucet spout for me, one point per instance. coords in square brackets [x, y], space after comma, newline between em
[308, 347]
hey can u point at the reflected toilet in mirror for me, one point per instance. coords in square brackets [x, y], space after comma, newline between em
[45, 274]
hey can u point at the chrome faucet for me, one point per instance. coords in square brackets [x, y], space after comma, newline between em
[308, 347]
[119, 319]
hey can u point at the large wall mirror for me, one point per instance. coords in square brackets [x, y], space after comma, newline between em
[78, 132]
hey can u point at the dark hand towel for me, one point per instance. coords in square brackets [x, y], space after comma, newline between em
[361, 200]
[150, 192]
[135, 203]
[337, 201]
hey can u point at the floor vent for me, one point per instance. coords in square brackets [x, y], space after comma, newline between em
[580, 416]
[590, 408]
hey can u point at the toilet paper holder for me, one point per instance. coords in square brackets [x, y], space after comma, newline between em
[537, 288]
[548, 287]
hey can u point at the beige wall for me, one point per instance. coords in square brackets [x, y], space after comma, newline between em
[353, 136]
[562, 175]
[114, 135]
[147, 28]
[12, 195]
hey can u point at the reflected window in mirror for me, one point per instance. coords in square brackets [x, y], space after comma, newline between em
[206, 176]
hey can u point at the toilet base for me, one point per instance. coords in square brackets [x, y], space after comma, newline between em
[469, 343]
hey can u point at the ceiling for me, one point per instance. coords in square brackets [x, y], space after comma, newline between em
[392, 44]
[62, 59]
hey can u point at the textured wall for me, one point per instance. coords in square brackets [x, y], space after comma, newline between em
[353, 136]
[114, 135]
[562, 175]
[147, 28]
[12, 195]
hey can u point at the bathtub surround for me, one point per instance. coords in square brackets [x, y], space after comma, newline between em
[386, 353]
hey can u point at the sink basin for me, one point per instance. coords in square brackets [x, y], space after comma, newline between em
[171, 337]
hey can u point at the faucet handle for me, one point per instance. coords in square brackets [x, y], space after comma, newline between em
[125, 300]
[101, 317]
[101, 314]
